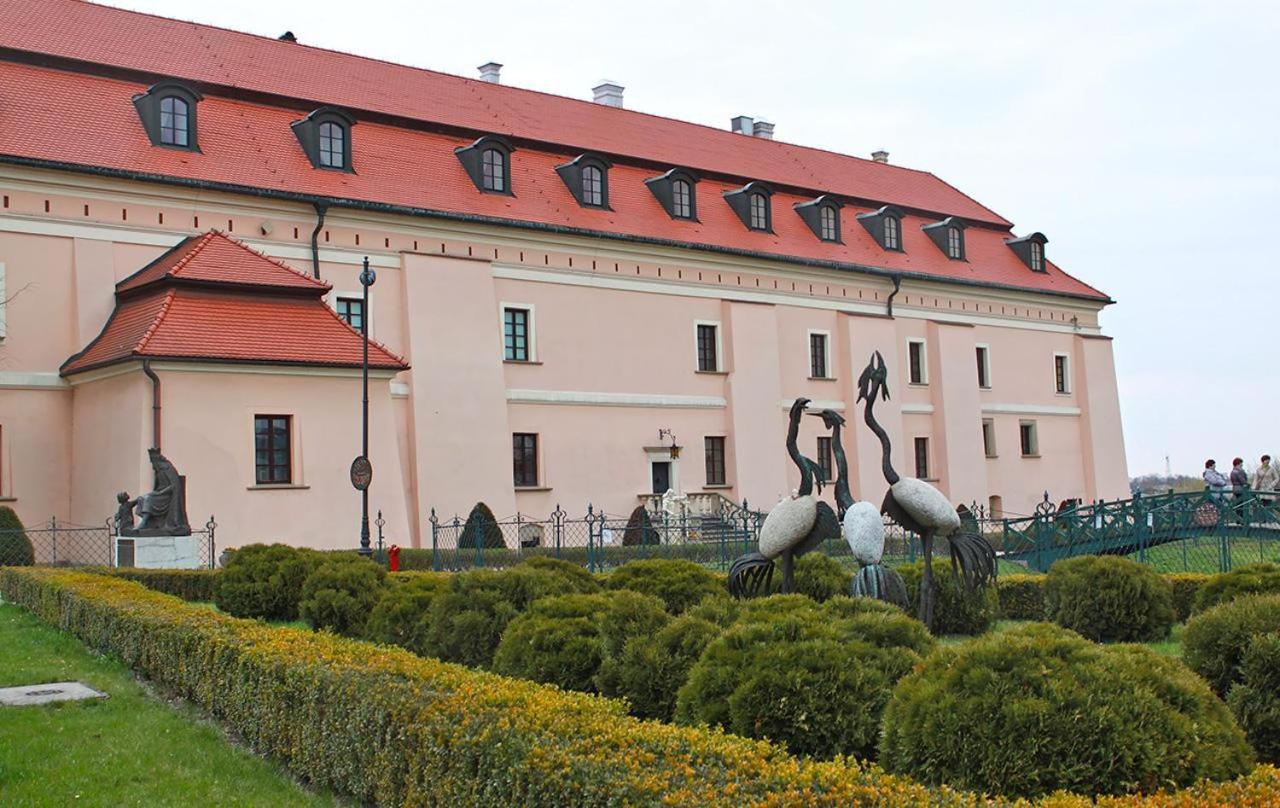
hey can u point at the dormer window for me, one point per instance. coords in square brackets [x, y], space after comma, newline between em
[488, 163]
[674, 190]
[168, 113]
[885, 226]
[1031, 250]
[752, 203]
[948, 234]
[325, 136]
[822, 215]
[587, 178]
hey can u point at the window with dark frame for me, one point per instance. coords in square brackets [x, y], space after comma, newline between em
[708, 362]
[825, 466]
[989, 437]
[922, 458]
[1028, 439]
[1037, 257]
[891, 233]
[493, 168]
[1061, 380]
[818, 356]
[682, 199]
[524, 455]
[955, 247]
[830, 219]
[984, 367]
[714, 450]
[915, 360]
[759, 211]
[592, 186]
[515, 334]
[272, 453]
[333, 137]
[351, 309]
[175, 121]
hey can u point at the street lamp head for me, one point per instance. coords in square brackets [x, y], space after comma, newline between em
[367, 277]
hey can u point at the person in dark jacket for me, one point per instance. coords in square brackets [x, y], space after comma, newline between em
[1239, 484]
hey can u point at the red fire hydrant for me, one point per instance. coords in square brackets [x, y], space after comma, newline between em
[394, 556]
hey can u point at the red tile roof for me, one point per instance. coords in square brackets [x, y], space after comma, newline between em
[80, 120]
[215, 258]
[227, 320]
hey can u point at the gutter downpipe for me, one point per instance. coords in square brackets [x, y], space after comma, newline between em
[897, 287]
[321, 209]
[155, 402]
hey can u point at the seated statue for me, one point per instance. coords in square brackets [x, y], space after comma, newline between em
[124, 513]
[163, 510]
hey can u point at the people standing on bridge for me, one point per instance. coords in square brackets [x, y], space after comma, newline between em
[1239, 484]
[1214, 480]
[1267, 478]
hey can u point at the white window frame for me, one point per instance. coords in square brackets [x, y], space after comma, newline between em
[531, 339]
[990, 448]
[541, 472]
[826, 336]
[986, 365]
[1066, 373]
[662, 454]
[719, 346]
[1035, 438]
[368, 315]
[924, 361]
[296, 473]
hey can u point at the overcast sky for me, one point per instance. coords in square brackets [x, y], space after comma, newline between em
[1141, 138]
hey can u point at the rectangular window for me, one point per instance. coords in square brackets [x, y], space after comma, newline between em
[273, 457]
[708, 361]
[351, 309]
[524, 455]
[714, 449]
[1030, 441]
[1061, 373]
[922, 458]
[915, 360]
[515, 334]
[984, 367]
[824, 459]
[1037, 257]
[818, 356]
[989, 437]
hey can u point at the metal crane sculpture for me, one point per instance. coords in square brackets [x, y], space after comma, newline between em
[795, 526]
[922, 509]
[863, 528]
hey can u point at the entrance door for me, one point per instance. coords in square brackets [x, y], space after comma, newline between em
[661, 471]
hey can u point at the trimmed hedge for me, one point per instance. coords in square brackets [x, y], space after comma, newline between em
[651, 668]
[384, 726]
[265, 581]
[955, 611]
[1109, 599]
[817, 575]
[1186, 586]
[190, 585]
[678, 583]
[1035, 709]
[1255, 700]
[1253, 579]
[402, 615]
[340, 593]
[1215, 641]
[1021, 597]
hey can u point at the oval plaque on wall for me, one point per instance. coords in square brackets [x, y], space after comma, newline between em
[361, 473]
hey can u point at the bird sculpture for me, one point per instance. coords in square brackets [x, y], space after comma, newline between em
[796, 525]
[922, 509]
[862, 527]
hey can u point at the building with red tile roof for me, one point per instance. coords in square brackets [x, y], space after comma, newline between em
[568, 279]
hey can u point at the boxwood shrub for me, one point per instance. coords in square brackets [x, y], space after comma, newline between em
[651, 668]
[676, 582]
[1021, 597]
[1109, 599]
[1028, 711]
[481, 528]
[16, 549]
[1255, 699]
[402, 615]
[956, 610]
[1253, 579]
[819, 576]
[1215, 641]
[339, 594]
[192, 585]
[265, 581]
[1186, 586]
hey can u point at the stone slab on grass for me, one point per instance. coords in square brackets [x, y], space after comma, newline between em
[45, 693]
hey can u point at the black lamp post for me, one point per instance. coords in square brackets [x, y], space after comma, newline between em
[361, 468]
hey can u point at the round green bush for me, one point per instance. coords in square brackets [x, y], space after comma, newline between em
[482, 529]
[16, 549]
[1109, 599]
[402, 615]
[340, 593]
[467, 620]
[1255, 700]
[562, 640]
[817, 575]
[956, 610]
[1186, 587]
[651, 668]
[676, 582]
[265, 581]
[1021, 597]
[1037, 708]
[1215, 641]
[1254, 579]
[639, 529]
[811, 677]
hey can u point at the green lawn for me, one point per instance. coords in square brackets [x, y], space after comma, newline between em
[129, 749]
[1170, 647]
[1202, 554]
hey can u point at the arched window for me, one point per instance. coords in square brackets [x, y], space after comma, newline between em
[892, 233]
[682, 199]
[759, 211]
[955, 247]
[830, 223]
[333, 138]
[592, 186]
[493, 169]
[175, 121]
[1037, 257]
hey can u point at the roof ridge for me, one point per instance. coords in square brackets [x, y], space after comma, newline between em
[257, 254]
[155, 322]
[191, 252]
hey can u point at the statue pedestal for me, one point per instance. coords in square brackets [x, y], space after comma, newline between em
[157, 552]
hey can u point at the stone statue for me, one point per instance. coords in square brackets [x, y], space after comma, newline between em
[163, 510]
[124, 513]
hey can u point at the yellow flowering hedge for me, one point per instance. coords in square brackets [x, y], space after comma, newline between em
[390, 728]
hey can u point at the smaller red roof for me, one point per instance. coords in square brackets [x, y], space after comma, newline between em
[217, 258]
[213, 299]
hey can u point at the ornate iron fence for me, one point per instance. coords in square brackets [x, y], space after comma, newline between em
[66, 544]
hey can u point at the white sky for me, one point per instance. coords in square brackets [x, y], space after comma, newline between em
[1140, 137]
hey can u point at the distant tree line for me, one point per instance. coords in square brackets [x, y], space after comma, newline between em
[1163, 483]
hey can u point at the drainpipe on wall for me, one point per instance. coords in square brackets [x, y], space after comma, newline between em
[321, 209]
[897, 287]
[155, 403]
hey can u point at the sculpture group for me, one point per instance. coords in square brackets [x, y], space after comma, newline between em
[163, 510]
[800, 523]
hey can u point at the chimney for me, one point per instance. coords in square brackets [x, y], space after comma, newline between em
[881, 156]
[489, 72]
[742, 125]
[762, 129]
[608, 93]
[287, 36]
